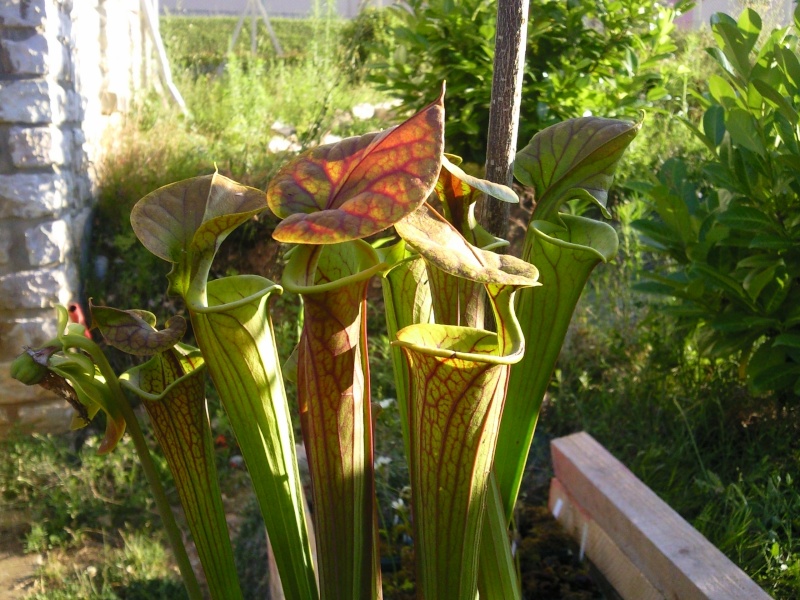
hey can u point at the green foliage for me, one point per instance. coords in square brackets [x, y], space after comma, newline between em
[732, 230]
[664, 134]
[603, 57]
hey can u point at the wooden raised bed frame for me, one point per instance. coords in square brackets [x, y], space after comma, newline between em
[644, 549]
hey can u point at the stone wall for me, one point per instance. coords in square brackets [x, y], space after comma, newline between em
[67, 71]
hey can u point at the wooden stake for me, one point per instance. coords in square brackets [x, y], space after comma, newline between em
[509, 62]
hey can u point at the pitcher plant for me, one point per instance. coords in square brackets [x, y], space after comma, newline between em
[389, 205]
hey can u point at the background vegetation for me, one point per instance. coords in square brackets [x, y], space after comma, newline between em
[723, 455]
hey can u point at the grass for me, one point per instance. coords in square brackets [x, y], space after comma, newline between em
[139, 569]
[92, 517]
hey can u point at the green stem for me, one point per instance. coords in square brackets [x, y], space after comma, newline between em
[160, 496]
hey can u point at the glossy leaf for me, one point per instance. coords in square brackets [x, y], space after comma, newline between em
[747, 218]
[172, 388]
[335, 411]
[361, 185]
[737, 40]
[714, 125]
[573, 159]
[743, 129]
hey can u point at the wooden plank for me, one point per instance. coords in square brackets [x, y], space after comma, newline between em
[672, 555]
[624, 576]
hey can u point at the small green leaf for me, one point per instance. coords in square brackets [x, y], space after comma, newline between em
[757, 280]
[749, 24]
[775, 378]
[714, 124]
[759, 261]
[721, 281]
[777, 101]
[734, 42]
[743, 129]
[770, 241]
[722, 91]
[790, 64]
[738, 322]
[790, 340]
[776, 293]
[746, 218]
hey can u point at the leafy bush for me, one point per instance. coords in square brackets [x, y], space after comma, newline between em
[582, 55]
[732, 230]
[663, 132]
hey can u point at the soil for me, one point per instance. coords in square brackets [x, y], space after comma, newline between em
[17, 569]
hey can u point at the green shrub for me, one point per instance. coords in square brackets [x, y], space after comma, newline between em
[584, 55]
[663, 133]
[732, 230]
